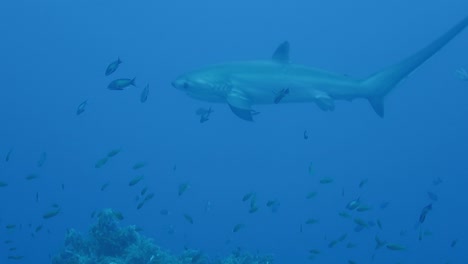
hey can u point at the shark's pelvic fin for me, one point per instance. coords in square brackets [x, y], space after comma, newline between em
[381, 83]
[324, 101]
[240, 104]
[282, 53]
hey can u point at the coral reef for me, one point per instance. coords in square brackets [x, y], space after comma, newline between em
[108, 243]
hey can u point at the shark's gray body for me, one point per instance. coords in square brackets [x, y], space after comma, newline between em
[246, 83]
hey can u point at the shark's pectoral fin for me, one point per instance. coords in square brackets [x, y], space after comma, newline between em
[240, 105]
[378, 105]
[324, 101]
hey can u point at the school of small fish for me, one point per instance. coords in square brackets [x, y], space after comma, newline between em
[360, 214]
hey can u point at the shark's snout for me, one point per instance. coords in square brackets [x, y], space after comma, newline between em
[180, 84]
[174, 83]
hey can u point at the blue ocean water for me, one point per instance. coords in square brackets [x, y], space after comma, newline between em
[54, 55]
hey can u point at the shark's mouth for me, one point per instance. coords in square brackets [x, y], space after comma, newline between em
[207, 97]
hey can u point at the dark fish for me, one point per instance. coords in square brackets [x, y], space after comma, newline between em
[344, 214]
[164, 212]
[273, 205]
[360, 222]
[8, 155]
[104, 186]
[140, 205]
[139, 165]
[10, 226]
[32, 177]
[42, 159]
[384, 205]
[51, 213]
[113, 152]
[204, 114]
[311, 221]
[363, 182]
[81, 107]
[280, 95]
[203, 111]
[171, 230]
[15, 257]
[379, 243]
[326, 180]
[254, 113]
[38, 228]
[188, 218]
[149, 197]
[306, 135]
[437, 181]
[424, 212]
[144, 94]
[143, 191]
[379, 224]
[3, 184]
[253, 201]
[238, 227]
[121, 84]
[203, 119]
[63, 187]
[118, 215]
[182, 188]
[247, 196]
[113, 66]
[434, 197]
[311, 195]
[135, 180]
[314, 251]
[332, 243]
[363, 208]
[100, 163]
[353, 204]
[253, 209]
[350, 245]
[395, 247]
[454, 243]
[342, 237]
[37, 197]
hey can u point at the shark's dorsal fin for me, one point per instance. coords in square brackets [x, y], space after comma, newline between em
[240, 104]
[282, 53]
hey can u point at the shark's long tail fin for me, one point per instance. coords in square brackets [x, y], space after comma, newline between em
[381, 83]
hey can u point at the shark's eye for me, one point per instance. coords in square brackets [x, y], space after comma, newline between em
[186, 86]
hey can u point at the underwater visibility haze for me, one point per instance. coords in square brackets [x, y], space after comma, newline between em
[234, 132]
